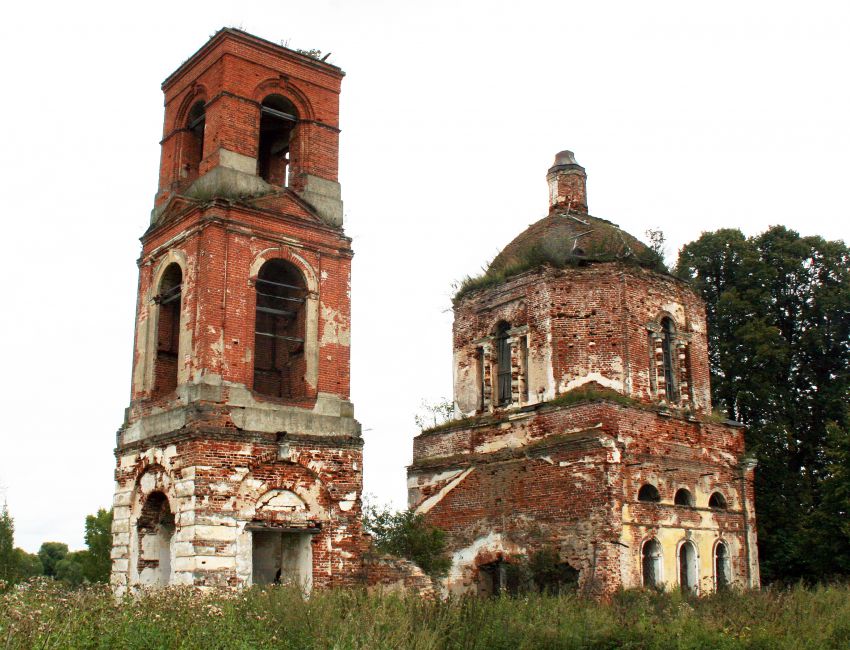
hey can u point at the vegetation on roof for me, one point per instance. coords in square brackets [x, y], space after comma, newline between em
[537, 256]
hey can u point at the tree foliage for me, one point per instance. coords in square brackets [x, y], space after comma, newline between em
[778, 308]
[97, 562]
[407, 534]
[50, 554]
[7, 546]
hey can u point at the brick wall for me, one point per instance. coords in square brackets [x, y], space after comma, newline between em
[588, 324]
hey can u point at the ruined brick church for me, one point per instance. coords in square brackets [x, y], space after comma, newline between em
[581, 372]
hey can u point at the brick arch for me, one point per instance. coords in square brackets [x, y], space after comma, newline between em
[284, 253]
[161, 481]
[284, 88]
[305, 484]
[196, 93]
[173, 256]
[662, 314]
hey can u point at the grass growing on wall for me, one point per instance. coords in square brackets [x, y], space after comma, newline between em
[42, 614]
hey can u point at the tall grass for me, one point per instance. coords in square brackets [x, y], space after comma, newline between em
[42, 614]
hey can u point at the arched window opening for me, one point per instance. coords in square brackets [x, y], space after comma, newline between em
[717, 501]
[649, 493]
[683, 498]
[667, 353]
[722, 568]
[651, 564]
[503, 361]
[155, 528]
[278, 119]
[688, 573]
[169, 300]
[194, 147]
[279, 360]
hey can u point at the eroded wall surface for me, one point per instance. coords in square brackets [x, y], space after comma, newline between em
[221, 487]
[568, 477]
[609, 393]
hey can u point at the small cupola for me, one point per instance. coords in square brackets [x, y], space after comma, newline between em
[567, 184]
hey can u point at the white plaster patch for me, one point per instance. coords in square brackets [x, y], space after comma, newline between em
[513, 439]
[335, 327]
[433, 500]
[600, 379]
[414, 481]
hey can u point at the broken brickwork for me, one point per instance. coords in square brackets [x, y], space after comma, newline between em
[240, 460]
[587, 427]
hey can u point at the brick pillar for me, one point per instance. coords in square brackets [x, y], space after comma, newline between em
[487, 376]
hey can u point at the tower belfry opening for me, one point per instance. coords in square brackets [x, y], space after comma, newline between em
[278, 119]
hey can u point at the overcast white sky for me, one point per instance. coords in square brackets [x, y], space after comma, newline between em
[687, 116]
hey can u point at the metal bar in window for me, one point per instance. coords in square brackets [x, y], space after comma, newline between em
[198, 120]
[276, 113]
[271, 295]
[281, 284]
[165, 301]
[276, 312]
[279, 336]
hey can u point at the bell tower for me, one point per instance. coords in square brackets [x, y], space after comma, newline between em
[240, 461]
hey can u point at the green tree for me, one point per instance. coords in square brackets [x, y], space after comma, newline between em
[50, 554]
[70, 569]
[778, 308]
[27, 565]
[7, 546]
[97, 562]
[407, 534]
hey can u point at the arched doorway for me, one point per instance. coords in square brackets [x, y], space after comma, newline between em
[155, 530]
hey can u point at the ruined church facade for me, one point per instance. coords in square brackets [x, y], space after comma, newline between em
[581, 372]
[239, 461]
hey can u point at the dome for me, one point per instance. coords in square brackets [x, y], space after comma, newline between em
[563, 237]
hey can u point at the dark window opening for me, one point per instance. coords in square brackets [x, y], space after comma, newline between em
[722, 570]
[279, 360]
[651, 564]
[503, 357]
[683, 497]
[550, 575]
[649, 493]
[497, 579]
[688, 568]
[278, 119]
[169, 299]
[667, 353]
[718, 501]
[193, 152]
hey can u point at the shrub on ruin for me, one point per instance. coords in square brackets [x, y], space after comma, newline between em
[406, 534]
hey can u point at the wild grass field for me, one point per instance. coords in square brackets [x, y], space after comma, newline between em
[43, 614]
